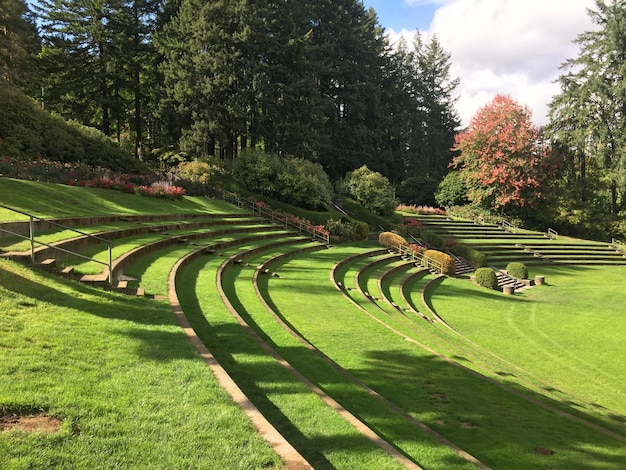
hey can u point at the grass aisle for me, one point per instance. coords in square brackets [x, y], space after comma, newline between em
[497, 427]
[313, 428]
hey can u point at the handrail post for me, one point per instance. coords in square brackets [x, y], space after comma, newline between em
[32, 239]
[110, 265]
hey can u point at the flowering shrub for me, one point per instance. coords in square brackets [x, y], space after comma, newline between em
[163, 189]
[410, 226]
[417, 248]
[424, 210]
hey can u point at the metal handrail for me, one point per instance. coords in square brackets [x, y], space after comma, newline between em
[619, 245]
[420, 257]
[33, 241]
[274, 216]
[508, 226]
[553, 234]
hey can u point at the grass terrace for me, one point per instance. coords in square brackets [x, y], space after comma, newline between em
[356, 357]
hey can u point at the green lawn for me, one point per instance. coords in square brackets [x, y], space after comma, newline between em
[130, 388]
[133, 393]
[569, 333]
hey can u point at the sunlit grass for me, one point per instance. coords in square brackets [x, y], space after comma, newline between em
[566, 332]
[130, 388]
[469, 411]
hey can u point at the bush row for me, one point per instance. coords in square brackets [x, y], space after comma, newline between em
[28, 132]
[292, 180]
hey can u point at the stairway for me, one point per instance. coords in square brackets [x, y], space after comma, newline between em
[505, 280]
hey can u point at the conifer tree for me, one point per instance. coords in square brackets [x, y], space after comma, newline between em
[19, 43]
[588, 116]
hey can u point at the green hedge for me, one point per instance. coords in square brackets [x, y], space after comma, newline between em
[432, 239]
[518, 270]
[486, 277]
[447, 263]
[475, 257]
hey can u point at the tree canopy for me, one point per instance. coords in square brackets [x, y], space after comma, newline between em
[588, 116]
[502, 157]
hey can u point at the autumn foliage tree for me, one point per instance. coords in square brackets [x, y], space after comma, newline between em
[502, 157]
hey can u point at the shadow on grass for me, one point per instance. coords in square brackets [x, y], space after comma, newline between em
[77, 296]
[227, 341]
[482, 418]
[396, 368]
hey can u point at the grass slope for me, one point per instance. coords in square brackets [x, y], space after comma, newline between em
[131, 389]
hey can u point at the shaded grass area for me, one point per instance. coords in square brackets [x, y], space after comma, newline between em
[129, 387]
[411, 440]
[57, 200]
[494, 425]
[567, 332]
[119, 247]
[320, 435]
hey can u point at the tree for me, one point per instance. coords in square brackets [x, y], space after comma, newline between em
[588, 117]
[95, 59]
[19, 44]
[435, 120]
[372, 190]
[208, 53]
[503, 159]
[350, 59]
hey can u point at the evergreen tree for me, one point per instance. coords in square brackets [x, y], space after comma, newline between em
[436, 107]
[207, 70]
[350, 63]
[19, 44]
[95, 57]
[588, 117]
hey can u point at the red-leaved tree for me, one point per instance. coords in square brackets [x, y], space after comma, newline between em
[503, 158]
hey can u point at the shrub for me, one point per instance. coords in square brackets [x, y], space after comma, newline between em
[204, 172]
[292, 180]
[486, 277]
[448, 266]
[372, 190]
[419, 190]
[432, 239]
[452, 191]
[518, 270]
[362, 229]
[424, 210]
[391, 240]
[475, 257]
[343, 231]
[411, 226]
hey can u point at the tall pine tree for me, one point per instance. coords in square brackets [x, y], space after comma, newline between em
[588, 117]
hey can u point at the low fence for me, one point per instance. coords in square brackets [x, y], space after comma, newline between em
[420, 258]
[33, 241]
[618, 245]
[262, 209]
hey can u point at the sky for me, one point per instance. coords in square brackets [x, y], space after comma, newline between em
[511, 47]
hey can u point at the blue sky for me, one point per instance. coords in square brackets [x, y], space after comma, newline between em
[399, 14]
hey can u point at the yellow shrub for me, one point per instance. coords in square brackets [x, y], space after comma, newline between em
[447, 263]
[391, 240]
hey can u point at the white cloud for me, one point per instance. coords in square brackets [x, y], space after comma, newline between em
[510, 47]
